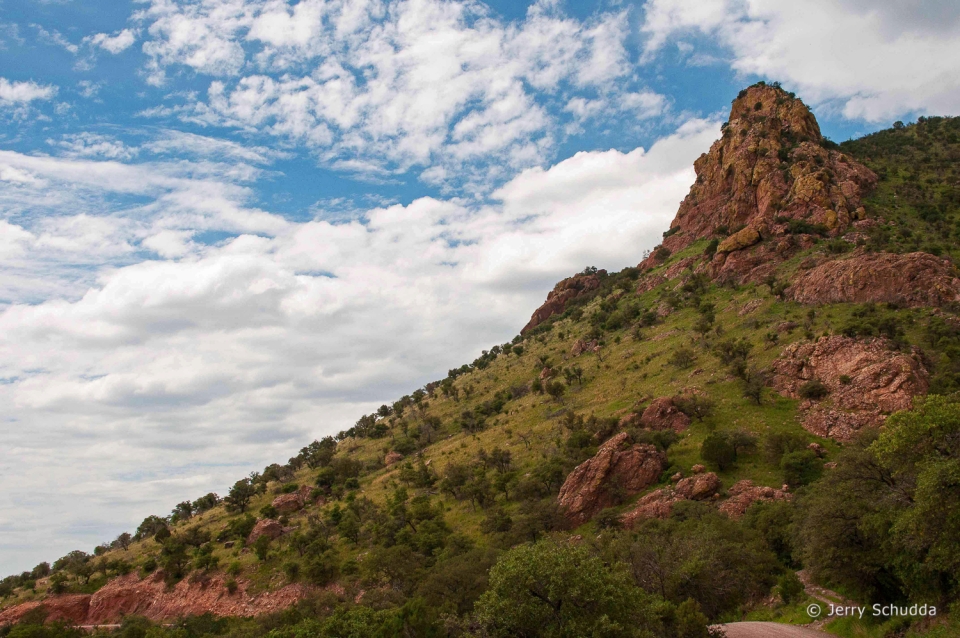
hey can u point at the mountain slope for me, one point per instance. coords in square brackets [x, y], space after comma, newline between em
[686, 431]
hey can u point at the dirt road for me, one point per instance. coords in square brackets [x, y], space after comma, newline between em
[769, 630]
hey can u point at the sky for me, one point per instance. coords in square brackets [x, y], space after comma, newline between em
[228, 227]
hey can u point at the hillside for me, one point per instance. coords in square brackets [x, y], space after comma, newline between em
[773, 389]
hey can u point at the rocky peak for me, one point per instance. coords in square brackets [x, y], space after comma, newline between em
[769, 174]
[562, 293]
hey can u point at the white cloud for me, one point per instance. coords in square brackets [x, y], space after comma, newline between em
[183, 143]
[878, 60]
[113, 43]
[21, 93]
[393, 84]
[93, 145]
[245, 350]
[56, 38]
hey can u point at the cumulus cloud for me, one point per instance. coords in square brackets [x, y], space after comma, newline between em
[382, 86]
[244, 350]
[22, 93]
[877, 60]
[116, 43]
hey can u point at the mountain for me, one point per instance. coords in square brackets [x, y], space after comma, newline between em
[765, 406]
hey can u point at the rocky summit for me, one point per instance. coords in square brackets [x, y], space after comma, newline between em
[774, 389]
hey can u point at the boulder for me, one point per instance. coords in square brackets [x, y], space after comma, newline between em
[392, 458]
[582, 346]
[619, 468]
[288, 503]
[265, 527]
[744, 493]
[698, 469]
[561, 294]
[662, 414]
[659, 503]
[866, 380]
[915, 279]
[741, 239]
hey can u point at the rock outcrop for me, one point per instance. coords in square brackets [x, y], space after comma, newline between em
[915, 279]
[151, 597]
[767, 180]
[659, 503]
[582, 346]
[744, 493]
[288, 503]
[265, 527]
[561, 294]
[866, 379]
[662, 414]
[619, 468]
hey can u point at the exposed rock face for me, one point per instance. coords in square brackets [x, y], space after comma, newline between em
[288, 503]
[866, 380]
[152, 598]
[265, 527]
[659, 503]
[768, 168]
[562, 293]
[744, 493]
[618, 467]
[68, 608]
[916, 279]
[392, 458]
[662, 414]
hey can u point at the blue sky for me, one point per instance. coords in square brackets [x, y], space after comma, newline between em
[228, 227]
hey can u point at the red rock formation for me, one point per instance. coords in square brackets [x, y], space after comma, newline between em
[618, 466]
[769, 165]
[866, 380]
[288, 503]
[662, 414]
[562, 293]
[69, 608]
[659, 503]
[744, 494]
[265, 527]
[152, 598]
[916, 279]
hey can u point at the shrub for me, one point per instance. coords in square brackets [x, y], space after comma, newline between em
[231, 585]
[292, 569]
[790, 588]
[845, 379]
[813, 389]
[718, 450]
[801, 467]
[682, 358]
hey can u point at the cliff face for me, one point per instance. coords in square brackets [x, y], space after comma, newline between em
[768, 176]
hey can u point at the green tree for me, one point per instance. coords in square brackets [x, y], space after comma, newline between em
[554, 590]
[240, 495]
[261, 547]
[718, 450]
